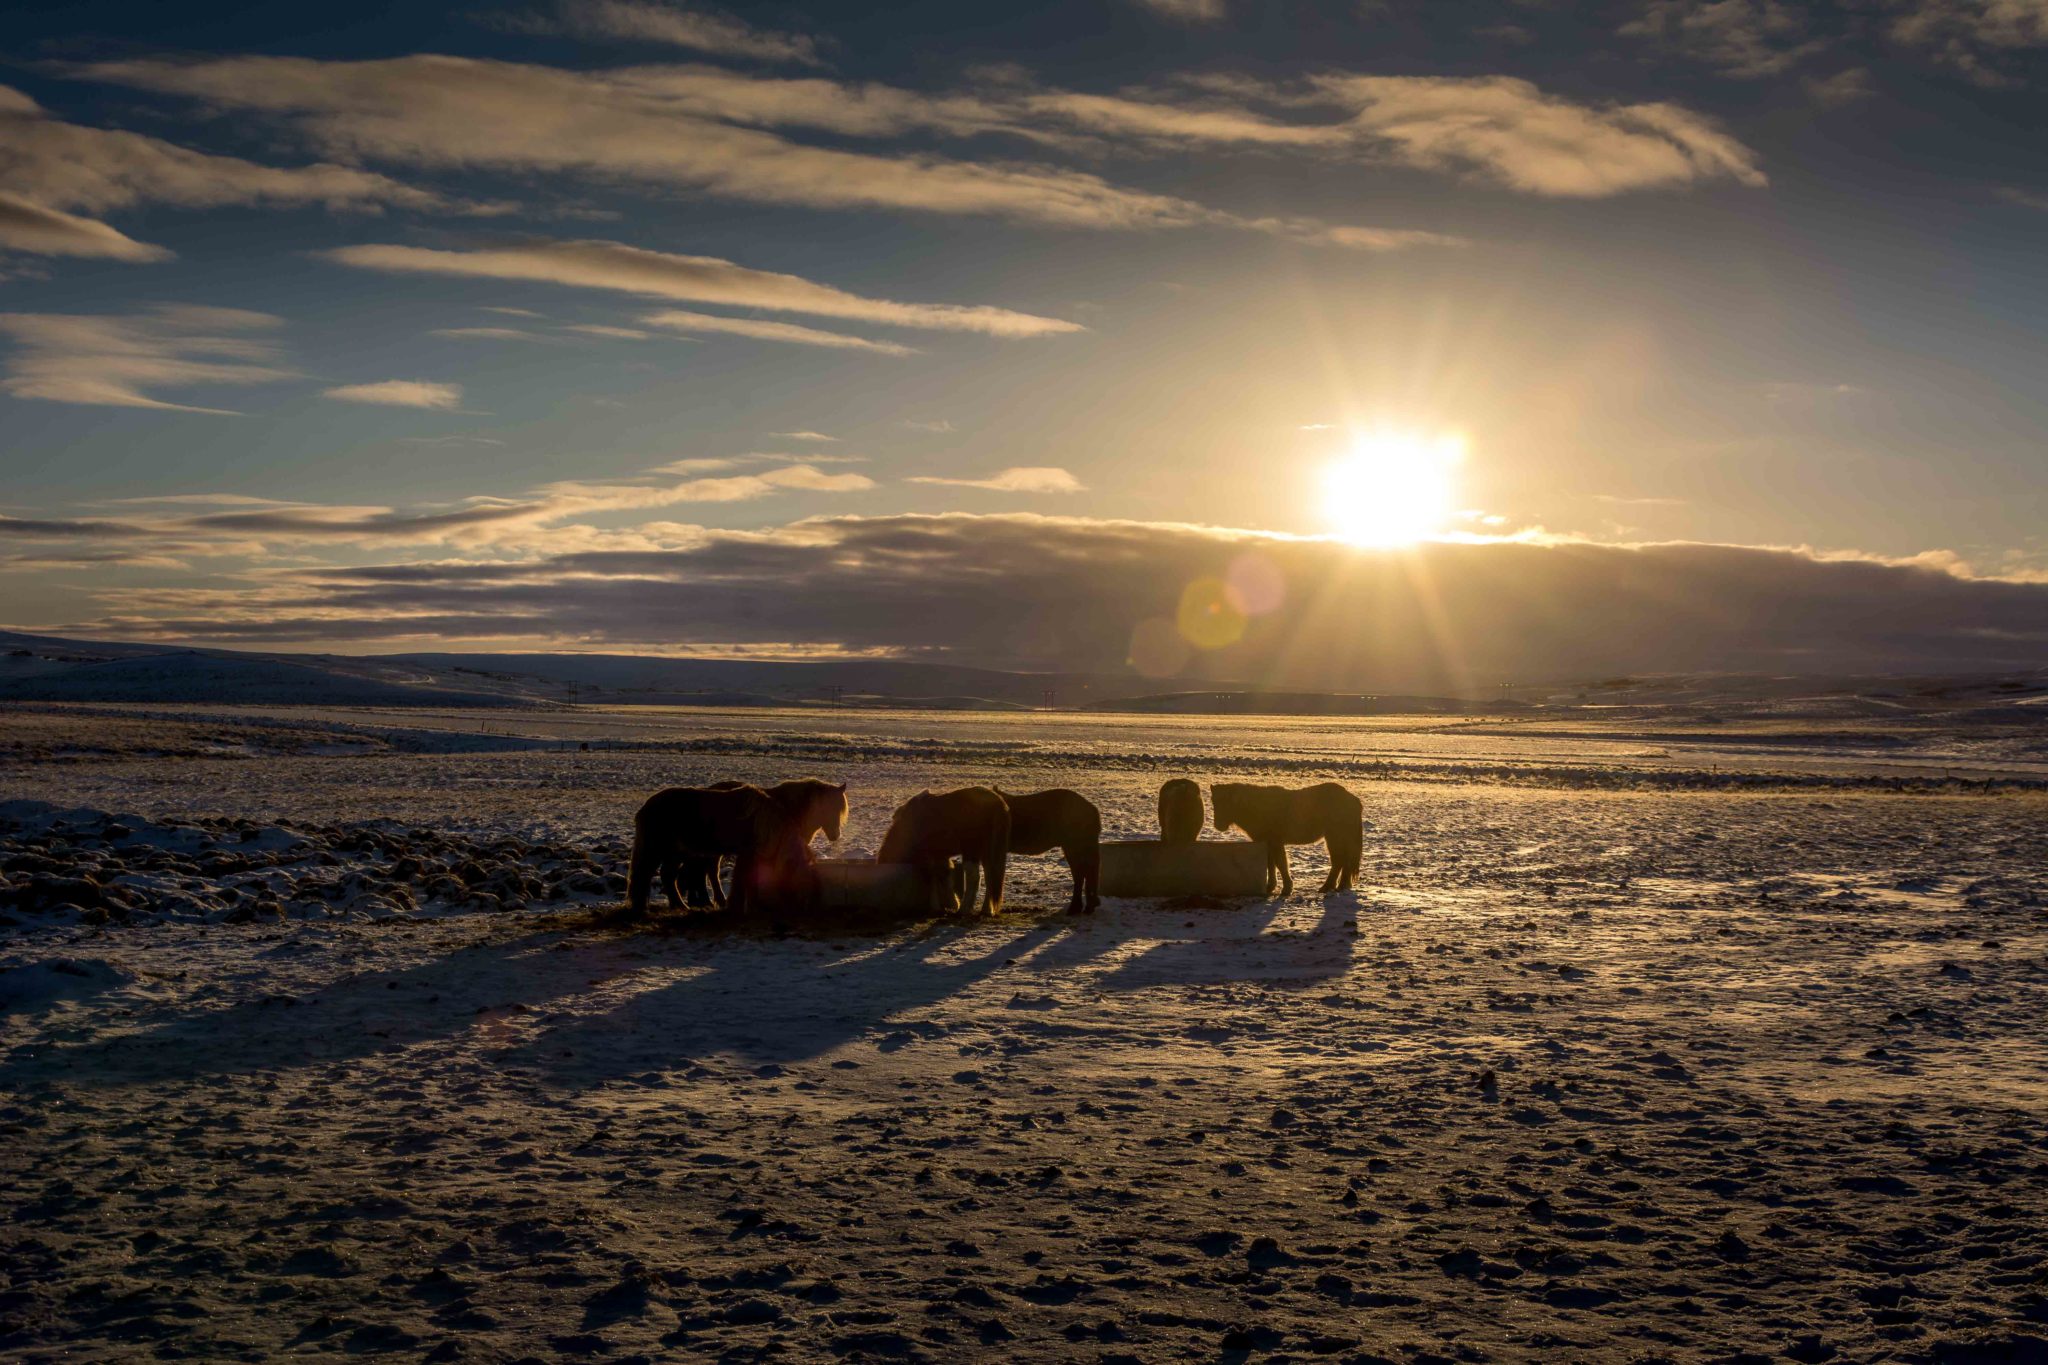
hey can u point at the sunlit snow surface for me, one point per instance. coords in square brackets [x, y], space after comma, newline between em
[1762, 1012]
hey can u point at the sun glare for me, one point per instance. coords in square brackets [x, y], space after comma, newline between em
[1393, 487]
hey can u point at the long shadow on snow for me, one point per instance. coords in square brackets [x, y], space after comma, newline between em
[762, 1003]
[763, 999]
[1276, 959]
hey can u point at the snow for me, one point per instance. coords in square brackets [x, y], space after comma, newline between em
[1596, 1068]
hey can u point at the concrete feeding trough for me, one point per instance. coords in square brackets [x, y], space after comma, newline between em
[1148, 867]
[863, 886]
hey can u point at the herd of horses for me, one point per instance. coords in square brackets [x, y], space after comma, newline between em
[683, 835]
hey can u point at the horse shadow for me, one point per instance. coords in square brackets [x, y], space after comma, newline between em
[730, 990]
[769, 1005]
[1323, 951]
[733, 989]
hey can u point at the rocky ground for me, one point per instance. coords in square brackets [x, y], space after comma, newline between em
[353, 1054]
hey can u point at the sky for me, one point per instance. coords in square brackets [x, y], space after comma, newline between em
[1351, 344]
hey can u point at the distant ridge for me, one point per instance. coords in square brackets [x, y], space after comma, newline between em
[188, 676]
[55, 669]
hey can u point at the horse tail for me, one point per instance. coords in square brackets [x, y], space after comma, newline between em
[997, 857]
[644, 864]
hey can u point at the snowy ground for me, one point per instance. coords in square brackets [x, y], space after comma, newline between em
[1592, 1068]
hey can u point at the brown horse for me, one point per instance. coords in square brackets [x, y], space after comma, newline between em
[813, 807]
[931, 829]
[682, 824]
[1068, 821]
[1180, 811]
[1279, 816]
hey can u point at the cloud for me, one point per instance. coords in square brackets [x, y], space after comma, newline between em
[695, 29]
[114, 360]
[698, 279]
[1747, 39]
[53, 169]
[803, 436]
[28, 226]
[1977, 37]
[1188, 11]
[1508, 131]
[1053, 592]
[2028, 199]
[678, 320]
[598, 329]
[1844, 87]
[695, 128]
[400, 393]
[1015, 479]
[239, 524]
[488, 334]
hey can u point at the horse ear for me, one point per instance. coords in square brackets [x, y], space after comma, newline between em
[840, 787]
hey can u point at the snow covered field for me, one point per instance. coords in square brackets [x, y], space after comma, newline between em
[1628, 1049]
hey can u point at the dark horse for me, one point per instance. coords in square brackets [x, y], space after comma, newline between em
[812, 807]
[1068, 821]
[1279, 816]
[679, 825]
[1180, 811]
[932, 828]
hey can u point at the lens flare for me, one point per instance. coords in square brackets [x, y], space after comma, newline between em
[1208, 618]
[1393, 487]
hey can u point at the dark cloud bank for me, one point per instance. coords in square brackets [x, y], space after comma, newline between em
[1044, 592]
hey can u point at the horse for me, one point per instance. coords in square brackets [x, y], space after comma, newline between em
[932, 828]
[678, 825]
[1180, 811]
[1068, 821]
[1279, 816]
[813, 807]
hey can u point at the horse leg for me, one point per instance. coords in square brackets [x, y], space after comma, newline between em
[993, 871]
[641, 868]
[1332, 845]
[1279, 857]
[1086, 865]
[744, 875]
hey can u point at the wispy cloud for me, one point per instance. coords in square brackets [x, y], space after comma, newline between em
[698, 30]
[239, 524]
[1986, 40]
[29, 226]
[803, 436]
[54, 170]
[1015, 479]
[1746, 39]
[695, 128]
[1188, 11]
[688, 323]
[489, 334]
[115, 360]
[400, 393]
[1506, 130]
[608, 332]
[698, 279]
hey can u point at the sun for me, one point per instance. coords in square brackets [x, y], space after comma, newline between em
[1393, 487]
